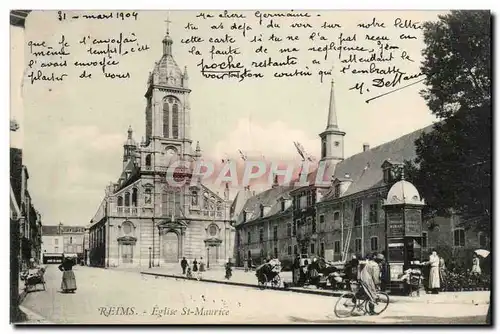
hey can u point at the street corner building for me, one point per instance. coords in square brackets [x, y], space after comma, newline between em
[145, 221]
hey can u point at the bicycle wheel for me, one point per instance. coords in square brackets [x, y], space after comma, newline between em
[345, 305]
[276, 282]
[380, 305]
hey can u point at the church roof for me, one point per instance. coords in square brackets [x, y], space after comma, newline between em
[365, 168]
[166, 72]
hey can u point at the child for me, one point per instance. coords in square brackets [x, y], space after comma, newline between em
[189, 273]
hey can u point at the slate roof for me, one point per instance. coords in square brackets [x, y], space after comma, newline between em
[267, 198]
[239, 202]
[54, 229]
[365, 168]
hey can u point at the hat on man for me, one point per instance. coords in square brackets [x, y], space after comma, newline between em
[380, 257]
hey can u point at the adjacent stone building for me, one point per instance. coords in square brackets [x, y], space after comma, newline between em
[345, 217]
[29, 220]
[145, 220]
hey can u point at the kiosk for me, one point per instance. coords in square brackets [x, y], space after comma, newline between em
[403, 225]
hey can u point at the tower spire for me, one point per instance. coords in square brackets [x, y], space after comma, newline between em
[332, 112]
[167, 40]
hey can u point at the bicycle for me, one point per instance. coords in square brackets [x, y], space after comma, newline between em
[358, 300]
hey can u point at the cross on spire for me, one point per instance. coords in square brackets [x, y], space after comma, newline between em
[167, 21]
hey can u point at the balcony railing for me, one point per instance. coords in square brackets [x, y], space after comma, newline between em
[127, 211]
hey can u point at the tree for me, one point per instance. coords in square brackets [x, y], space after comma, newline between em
[453, 165]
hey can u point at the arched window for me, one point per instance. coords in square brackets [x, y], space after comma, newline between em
[205, 201]
[127, 199]
[134, 197]
[166, 123]
[175, 120]
[147, 196]
[323, 148]
[148, 160]
[194, 198]
[120, 201]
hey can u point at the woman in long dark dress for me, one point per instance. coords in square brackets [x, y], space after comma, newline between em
[195, 265]
[68, 283]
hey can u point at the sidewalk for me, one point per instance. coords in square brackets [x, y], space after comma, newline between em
[248, 279]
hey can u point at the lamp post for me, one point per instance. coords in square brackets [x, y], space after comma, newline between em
[149, 257]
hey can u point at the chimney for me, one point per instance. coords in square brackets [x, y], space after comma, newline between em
[366, 147]
[347, 175]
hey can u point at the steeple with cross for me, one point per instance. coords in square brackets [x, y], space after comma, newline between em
[332, 139]
[167, 41]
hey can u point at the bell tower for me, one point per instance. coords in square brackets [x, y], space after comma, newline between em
[167, 109]
[332, 139]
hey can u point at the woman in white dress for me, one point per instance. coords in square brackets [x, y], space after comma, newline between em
[434, 282]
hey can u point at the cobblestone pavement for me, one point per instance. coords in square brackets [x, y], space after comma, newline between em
[107, 296]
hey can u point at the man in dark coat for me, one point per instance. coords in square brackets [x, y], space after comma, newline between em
[184, 265]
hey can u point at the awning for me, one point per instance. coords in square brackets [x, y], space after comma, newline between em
[52, 254]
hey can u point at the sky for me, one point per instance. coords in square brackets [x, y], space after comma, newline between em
[72, 132]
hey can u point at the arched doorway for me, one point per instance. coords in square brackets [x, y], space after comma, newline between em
[171, 247]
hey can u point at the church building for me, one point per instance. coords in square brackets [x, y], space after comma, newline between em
[145, 221]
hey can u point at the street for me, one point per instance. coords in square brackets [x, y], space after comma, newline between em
[107, 296]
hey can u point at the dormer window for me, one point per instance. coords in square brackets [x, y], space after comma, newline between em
[337, 190]
[261, 211]
[387, 175]
[245, 217]
[282, 205]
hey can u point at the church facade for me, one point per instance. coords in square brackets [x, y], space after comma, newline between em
[144, 220]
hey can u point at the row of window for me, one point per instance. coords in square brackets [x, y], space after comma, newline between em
[77, 249]
[261, 235]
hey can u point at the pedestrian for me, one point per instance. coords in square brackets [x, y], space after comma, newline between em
[195, 265]
[202, 265]
[296, 270]
[370, 280]
[245, 265]
[184, 265]
[433, 263]
[304, 272]
[68, 283]
[383, 271]
[476, 268]
[229, 270]
[442, 273]
[314, 272]
[250, 263]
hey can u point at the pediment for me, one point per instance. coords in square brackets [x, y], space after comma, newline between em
[127, 240]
